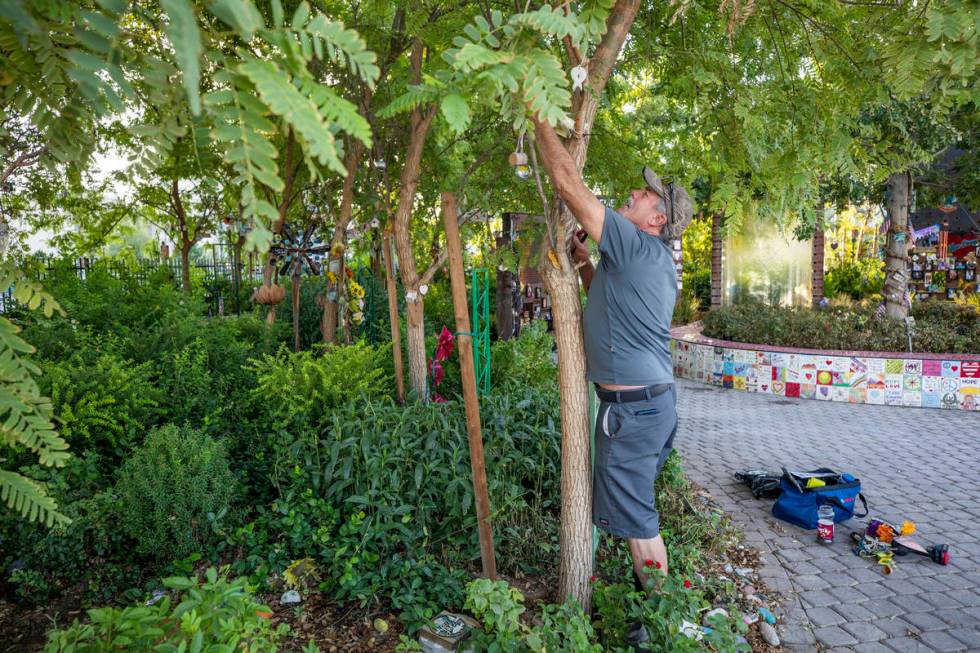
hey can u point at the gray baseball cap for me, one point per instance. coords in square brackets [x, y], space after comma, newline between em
[680, 209]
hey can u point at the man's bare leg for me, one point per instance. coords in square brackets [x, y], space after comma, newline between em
[643, 550]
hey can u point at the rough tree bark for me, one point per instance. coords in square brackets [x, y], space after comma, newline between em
[184, 241]
[420, 122]
[895, 289]
[561, 281]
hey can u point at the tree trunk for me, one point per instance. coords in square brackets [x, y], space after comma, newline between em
[575, 538]
[185, 266]
[895, 290]
[816, 262]
[415, 340]
[717, 253]
[421, 120]
[562, 283]
[339, 241]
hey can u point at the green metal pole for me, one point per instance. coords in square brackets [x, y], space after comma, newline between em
[479, 290]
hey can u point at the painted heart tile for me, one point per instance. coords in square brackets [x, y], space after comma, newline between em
[951, 368]
[912, 367]
[876, 396]
[970, 370]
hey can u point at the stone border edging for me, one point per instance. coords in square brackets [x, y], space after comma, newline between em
[860, 377]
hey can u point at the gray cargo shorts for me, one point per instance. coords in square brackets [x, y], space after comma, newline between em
[632, 442]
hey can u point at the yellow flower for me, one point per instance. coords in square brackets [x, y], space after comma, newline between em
[331, 276]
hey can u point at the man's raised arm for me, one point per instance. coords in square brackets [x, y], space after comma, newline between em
[586, 208]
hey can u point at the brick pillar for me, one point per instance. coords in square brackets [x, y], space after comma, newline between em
[717, 245]
[816, 280]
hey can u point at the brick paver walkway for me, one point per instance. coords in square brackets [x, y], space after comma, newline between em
[914, 463]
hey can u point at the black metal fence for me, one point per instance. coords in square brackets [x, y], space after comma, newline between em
[216, 278]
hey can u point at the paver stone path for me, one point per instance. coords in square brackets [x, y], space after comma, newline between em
[914, 463]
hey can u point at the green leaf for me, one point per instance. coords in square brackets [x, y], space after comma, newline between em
[185, 38]
[456, 112]
[302, 114]
[301, 16]
[240, 14]
[277, 13]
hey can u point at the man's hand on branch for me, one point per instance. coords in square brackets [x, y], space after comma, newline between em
[580, 251]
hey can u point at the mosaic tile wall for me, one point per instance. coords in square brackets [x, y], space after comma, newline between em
[953, 384]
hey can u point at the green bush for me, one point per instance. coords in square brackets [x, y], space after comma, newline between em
[855, 279]
[383, 499]
[311, 383]
[171, 489]
[698, 282]
[90, 553]
[102, 403]
[525, 361]
[940, 327]
[214, 615]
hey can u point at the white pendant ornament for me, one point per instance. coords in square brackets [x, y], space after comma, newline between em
[423, 289]
[579, 74]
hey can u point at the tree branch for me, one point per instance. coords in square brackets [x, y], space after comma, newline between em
[24, 160]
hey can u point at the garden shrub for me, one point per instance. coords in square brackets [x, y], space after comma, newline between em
[383, 499]
[525, 361]
[91, 552]
[215, 614]
[855, 279]
[311, 383]
[940, 327]
[698, 282]
[171, 489]
[102, 403]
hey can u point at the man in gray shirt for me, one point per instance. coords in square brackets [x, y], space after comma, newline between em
[627, 345]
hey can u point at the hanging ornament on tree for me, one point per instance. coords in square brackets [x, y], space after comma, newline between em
[579, 74]
[518, 159]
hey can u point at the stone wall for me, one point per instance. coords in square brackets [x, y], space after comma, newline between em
[887, 378]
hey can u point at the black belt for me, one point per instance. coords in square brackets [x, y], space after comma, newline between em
[625, 396]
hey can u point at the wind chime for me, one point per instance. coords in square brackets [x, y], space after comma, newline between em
[298, 254]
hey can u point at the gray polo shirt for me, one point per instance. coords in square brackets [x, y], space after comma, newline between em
[630, 305]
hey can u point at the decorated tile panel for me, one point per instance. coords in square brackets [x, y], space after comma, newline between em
[946, 384]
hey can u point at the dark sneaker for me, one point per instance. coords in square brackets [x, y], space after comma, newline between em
[638, 638]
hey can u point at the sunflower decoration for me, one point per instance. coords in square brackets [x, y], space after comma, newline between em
[356, 292]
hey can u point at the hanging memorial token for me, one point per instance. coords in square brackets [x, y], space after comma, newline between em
[579, 75]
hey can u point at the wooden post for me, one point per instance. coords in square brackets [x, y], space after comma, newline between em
[396, 333]
[465, 347]
[817, 254]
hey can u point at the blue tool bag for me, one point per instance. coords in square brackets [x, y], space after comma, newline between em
[798, 504]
